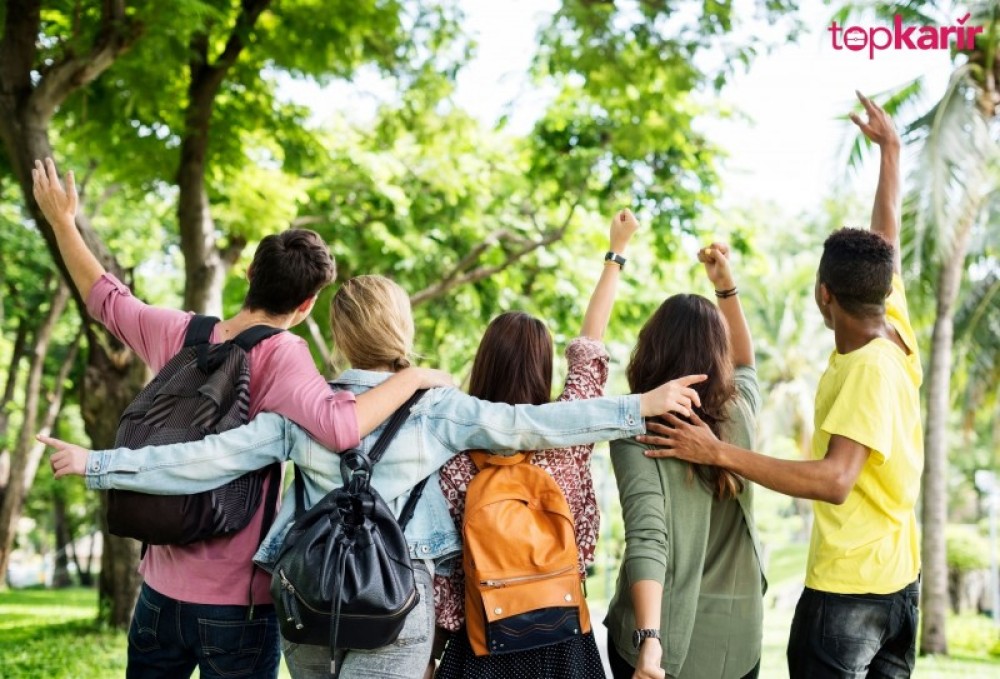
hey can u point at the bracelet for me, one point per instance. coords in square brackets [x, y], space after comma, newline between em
[616, 258]
[723, 294]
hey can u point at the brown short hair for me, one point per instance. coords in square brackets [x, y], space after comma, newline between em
[688, 336]
[287, 269]
[514, 361]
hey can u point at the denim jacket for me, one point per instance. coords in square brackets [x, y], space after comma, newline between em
[444, 422]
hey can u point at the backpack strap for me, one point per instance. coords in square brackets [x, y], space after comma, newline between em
[274, 475]
[411, 504]
[253, 335]
[392, 428]
[384, 439]
[300, 495]
[199, 330]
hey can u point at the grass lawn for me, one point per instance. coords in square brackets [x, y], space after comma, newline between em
[51, 634]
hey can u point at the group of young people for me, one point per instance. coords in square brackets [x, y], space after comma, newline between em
[688, 601]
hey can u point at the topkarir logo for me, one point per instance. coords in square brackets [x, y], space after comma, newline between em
[900, 37]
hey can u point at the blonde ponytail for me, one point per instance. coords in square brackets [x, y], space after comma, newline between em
[372, 323]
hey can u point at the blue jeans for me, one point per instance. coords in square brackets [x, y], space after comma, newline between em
[853, 636]
[169, 639]
[406, 658]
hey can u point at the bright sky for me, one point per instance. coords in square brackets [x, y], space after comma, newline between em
[786, 147]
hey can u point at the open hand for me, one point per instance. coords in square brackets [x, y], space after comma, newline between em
[57, 204]
[430, 378]
[68, 459]
[674, 396]
[716, 260]
[623, 226]
[693, 441]
[878, 128]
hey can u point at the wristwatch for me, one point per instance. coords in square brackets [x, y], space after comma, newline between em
[616, 258]
[640, 635]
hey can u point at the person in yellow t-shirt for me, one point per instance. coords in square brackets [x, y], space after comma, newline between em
[857, 616]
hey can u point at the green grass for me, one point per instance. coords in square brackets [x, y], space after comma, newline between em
[45, 633]
[51, 634]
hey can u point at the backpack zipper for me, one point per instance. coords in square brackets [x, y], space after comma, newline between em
[291, 601]
[504, 582]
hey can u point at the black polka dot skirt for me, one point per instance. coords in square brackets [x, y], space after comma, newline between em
[577, 658]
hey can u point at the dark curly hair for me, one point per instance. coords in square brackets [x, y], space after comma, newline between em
[856, 268]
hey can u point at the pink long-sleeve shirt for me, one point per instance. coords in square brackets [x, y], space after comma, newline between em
[284, 380]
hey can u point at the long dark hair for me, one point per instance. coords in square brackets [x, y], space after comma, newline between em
[688, 336]
[514, 361]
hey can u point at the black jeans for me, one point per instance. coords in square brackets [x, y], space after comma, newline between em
[851, 636]
[620, 669]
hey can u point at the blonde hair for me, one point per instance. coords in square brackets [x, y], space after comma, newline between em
[372, 323]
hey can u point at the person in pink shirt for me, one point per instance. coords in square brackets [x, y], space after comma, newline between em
[200, 604]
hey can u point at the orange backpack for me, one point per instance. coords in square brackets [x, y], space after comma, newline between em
[523, 589]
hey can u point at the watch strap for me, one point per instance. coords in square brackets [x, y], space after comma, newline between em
[640, 635]
[616, 258]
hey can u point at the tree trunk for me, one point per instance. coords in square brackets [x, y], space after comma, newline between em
[205, 265]
[13, 499]
[52, 412]
[84, 572]
[17, 353]
[60, 526]
[109, 386]
[27, 104]
[934, 587]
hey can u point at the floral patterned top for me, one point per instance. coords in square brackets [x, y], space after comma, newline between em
[586, 377]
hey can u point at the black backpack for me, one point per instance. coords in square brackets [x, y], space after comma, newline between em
[204, 389]
[343, 575]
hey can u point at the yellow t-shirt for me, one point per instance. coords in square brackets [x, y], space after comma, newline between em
[871, 395]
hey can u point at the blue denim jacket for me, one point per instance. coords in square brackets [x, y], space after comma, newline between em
[444, 422]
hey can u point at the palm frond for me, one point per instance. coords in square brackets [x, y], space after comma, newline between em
[977, 326]
[954, 169]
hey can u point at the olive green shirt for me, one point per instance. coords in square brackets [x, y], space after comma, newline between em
[703, 550]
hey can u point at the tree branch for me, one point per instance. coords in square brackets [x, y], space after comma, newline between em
[117, 33]
[456, 277]
[320, 342]
[233, 250]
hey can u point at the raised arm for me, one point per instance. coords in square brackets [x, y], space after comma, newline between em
[885, 212]
[716, 260]
[59, 207]
[595, 321]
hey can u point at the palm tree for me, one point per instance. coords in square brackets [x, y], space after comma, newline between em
[945, 209]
